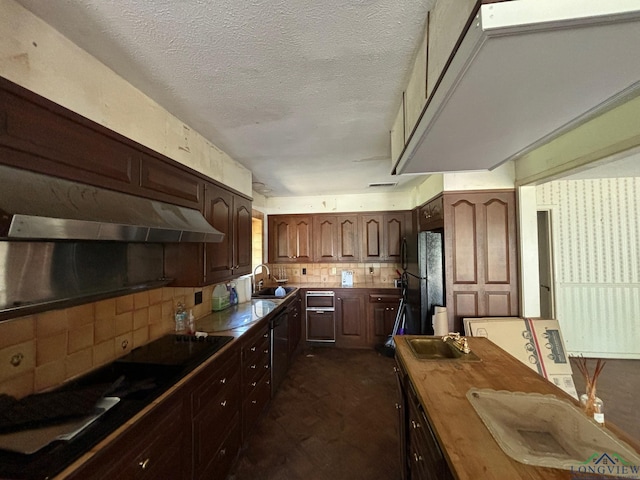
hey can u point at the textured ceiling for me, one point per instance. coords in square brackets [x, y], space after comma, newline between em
[301, 92]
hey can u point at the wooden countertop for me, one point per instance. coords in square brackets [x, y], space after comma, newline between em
[467, 444]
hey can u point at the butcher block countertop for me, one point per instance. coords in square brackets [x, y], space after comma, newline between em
[468, 446]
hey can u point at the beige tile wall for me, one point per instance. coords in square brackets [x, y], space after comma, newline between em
[324, 272]
[42, 351]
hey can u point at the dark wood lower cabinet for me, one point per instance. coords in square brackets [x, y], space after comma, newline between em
[215, 402]
[193, 434]
[420, 454]
[295, 325]
[256, 377]
[383, 309]
[152, 448]
[351, 319]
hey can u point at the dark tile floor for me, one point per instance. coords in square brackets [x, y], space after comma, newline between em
[333, 418]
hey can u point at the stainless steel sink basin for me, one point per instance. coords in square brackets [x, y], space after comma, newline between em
[433, 348]
[270, 292]
[545, 431]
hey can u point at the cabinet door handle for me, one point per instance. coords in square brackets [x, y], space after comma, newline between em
[398, 406]
[253, 384]
[416, 457]
[253, 349]
[415, 424]
[253, 367]
[223, 381]
[266, 366]
[266, 335]
[396, 369]
[223, 452]
[266, 350]
[223, 403]
[144, 463]
[254, 401]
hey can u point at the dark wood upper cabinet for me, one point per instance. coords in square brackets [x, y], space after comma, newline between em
[231, 215]
[219, 212]
[242, 221]
[290, 239]
[430, 215]
[40, 135]
[171, 183]
[372, 237]
[342, 237]
[381, 235]
[335, 238]
[348, 245]
[325, 229]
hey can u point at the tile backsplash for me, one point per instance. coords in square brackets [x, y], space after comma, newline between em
[41, 351]
[331, 273]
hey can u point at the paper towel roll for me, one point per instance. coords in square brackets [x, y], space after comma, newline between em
[440, 324]
[247, 286]
[241, 290]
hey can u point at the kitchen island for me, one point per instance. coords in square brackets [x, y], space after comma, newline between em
[466, 447]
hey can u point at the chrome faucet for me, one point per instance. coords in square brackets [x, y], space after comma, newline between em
[459, 342]
[258, 286]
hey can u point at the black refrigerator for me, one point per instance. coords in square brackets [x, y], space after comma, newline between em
[424, 266]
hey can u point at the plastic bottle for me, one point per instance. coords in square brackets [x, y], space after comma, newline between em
[180, 317]
[192, 323]
[233, 294]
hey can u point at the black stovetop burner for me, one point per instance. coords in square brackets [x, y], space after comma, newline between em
[176, 350]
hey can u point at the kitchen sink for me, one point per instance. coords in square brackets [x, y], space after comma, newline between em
[433, 348]
[270, 292]
[545, 431]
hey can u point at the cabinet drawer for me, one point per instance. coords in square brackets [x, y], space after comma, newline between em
[150, 449]
[256, 351]
[210, 426]
[224, 457]
[218, 411]
[384, 298]
[255, 403]
[255, 344]
[426, 459]
[213, 381]
[254, 369]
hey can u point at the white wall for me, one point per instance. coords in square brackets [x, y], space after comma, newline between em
[37, 57]
[596, 244]
[340, 203]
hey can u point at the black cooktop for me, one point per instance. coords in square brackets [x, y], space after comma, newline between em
[176, 350]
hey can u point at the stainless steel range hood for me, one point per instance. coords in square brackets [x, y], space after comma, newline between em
[39, 207]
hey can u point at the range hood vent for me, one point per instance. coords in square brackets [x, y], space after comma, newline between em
[524, 73]
[39, 207]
